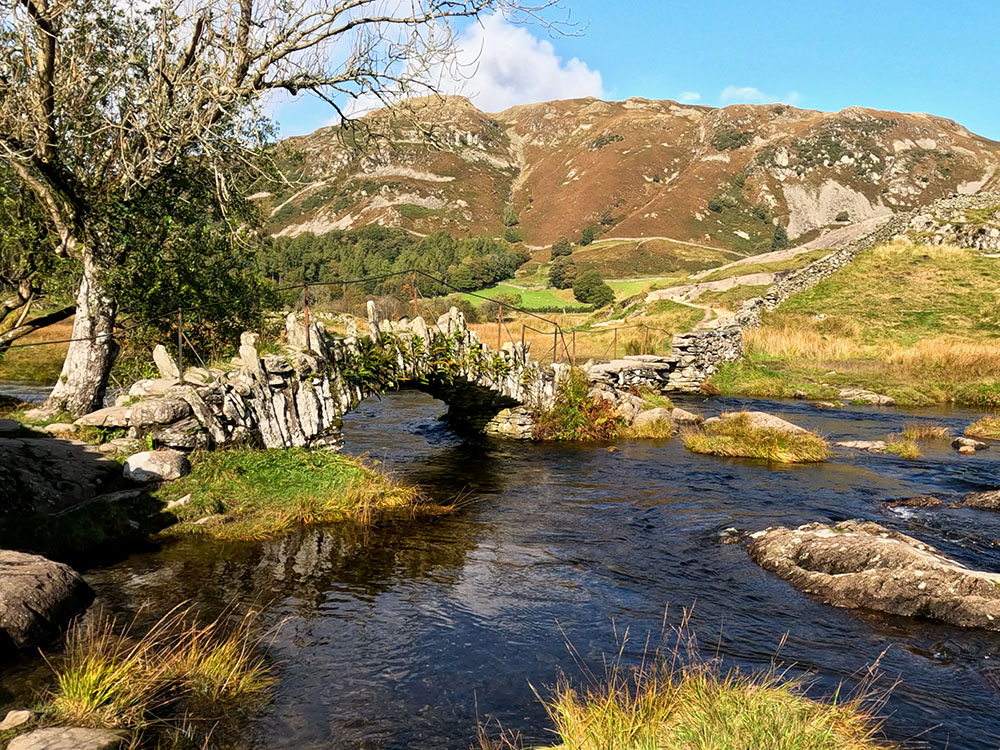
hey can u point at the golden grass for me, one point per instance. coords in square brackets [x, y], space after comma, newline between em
[38, 364]
[107, 677]
[736, 437]
[661, 429]
[925, 431]
[669, 705]
[902, 446]
[986, 427]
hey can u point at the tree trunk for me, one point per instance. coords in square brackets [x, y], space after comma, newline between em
[85, 372]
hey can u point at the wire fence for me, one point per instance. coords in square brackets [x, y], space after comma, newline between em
[551, 342]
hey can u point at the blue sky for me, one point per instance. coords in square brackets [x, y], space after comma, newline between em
[915, 56]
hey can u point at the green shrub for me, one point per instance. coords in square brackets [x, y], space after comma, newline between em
[587, 236]
[727, 140]
[511, 235]
[591, 289]
[562, 273]
[780, 239]
[716, 205]
[843, 216]
[561, 247]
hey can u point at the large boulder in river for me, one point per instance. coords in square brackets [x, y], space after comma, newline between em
[69, 738]
[861, 564]
[156, 466]
[37, 598]
[989, 500]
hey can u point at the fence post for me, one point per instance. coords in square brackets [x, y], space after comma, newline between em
[305, 307]
[614, 348]
[555, 344]
[499, 322]
[522, 337]
[574, 347]
[180, 343]
[645, 338]
[413, 286]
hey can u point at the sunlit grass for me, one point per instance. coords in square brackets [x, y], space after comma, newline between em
[902, 446]
[253, 494]
[109, 676]
[986, 427]
[925, 431]
[736, 437]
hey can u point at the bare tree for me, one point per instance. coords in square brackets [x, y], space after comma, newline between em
[99, 99]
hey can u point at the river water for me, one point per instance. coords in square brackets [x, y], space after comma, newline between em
[411, 635]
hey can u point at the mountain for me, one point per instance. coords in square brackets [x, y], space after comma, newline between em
[633, 169]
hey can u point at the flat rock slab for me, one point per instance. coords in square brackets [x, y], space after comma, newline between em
[47, 475]
[156, 466]
[652, 416]
[762, 421]
[859, 396]
[868, 446]
[109, 416]
[37, 597]
[983, 500]
[860, 564]
[68, 738]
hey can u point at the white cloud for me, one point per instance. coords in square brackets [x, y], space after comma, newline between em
[751, 95]
[500, 64]
[689, 97]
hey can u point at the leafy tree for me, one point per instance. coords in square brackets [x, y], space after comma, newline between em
[562, 273]
[561, 247]
[591, 289]
[780, 239]
[587, 236]
[101, 101]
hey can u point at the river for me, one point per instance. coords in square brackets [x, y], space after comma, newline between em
[411, 635]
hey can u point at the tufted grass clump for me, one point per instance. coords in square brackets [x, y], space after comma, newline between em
[902, 446]
[109, 677]
[737, 437]
[925, 431]
[577, 414]
[673, 702]
[986, 427]
[242, 494]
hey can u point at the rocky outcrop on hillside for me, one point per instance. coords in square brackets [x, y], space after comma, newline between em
[971, 223]
[638, 168]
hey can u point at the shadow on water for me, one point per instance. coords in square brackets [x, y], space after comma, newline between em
[406, 636]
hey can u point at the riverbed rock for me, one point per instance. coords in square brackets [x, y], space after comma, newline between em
[514, 424]
[921, 501]
[158, 411]
[967, 450]
[861, 396]
[680, 416]
[860, 564]
[16, 718]
[869, 446]
[652, 416]
[165, 363]
[68, 738]
[60, 428]
[51, 474]
[37, 597]
[156, 466]
[109, 416]
[964, 442]
[9, 427]
[989, 500]
[761, 420]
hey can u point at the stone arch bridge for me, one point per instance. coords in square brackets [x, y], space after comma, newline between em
[299, 397]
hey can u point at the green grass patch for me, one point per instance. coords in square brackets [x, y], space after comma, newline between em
[789, 264]
[925, 432]
[736, 437]
[530, 298]
[902, 446]
[731, 299]
[253, 494]
[414, 212]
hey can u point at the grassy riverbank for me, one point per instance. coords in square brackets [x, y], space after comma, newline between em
[253, 494]
[914, 322]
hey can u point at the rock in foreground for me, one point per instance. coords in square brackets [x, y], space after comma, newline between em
[68, 738]
[760, 420]
[156, 466]
[860, 564]
[37, 597]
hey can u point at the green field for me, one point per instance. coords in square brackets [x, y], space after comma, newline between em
[530, 298]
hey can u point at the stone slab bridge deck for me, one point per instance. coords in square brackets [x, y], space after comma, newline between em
[299, 397]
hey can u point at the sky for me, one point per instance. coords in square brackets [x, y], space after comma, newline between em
[901, 55]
